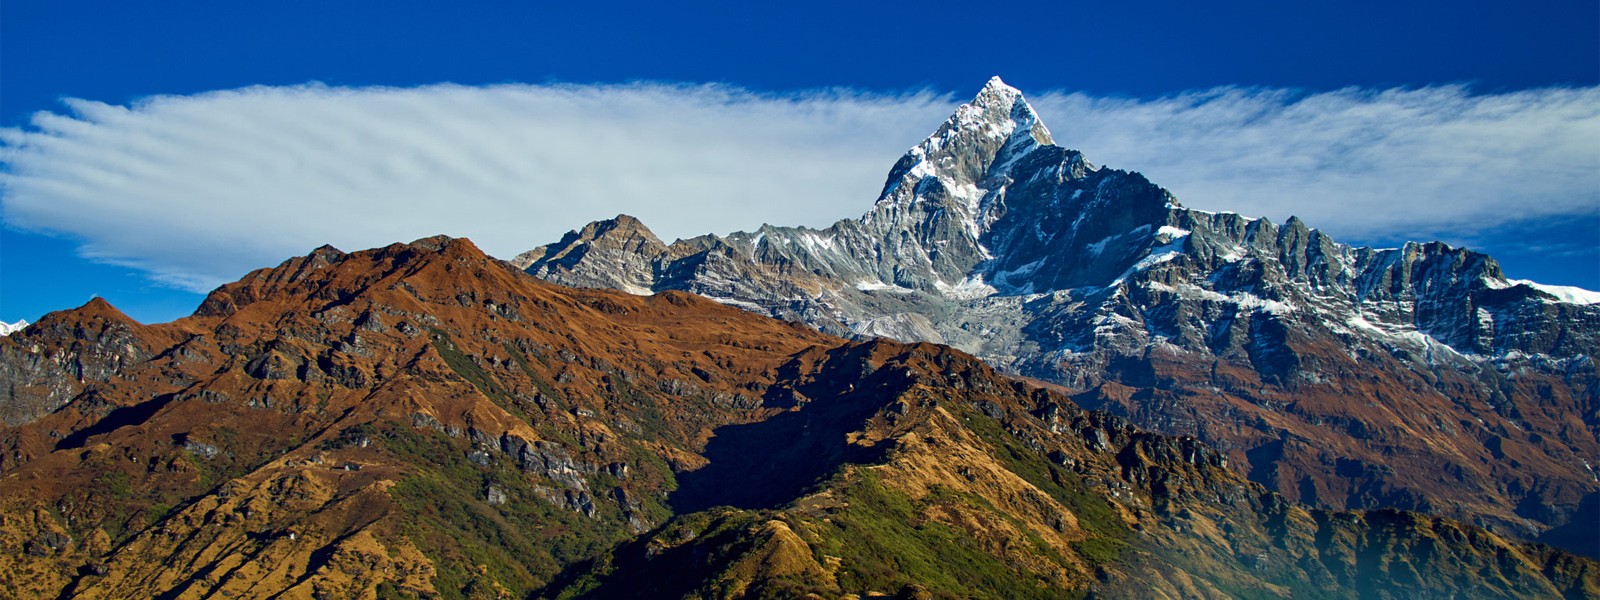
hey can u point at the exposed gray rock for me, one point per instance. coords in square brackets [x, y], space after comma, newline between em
[199, 448]
[48, 543]
[494, 495]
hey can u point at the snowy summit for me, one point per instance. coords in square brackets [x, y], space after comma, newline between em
[10, 328]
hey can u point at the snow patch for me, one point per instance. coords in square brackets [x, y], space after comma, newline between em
[879, 286]
[1243, 300]
[1158, 255]
[813, 241]
[1563, 293]
[1171, 232]
[636, 290]
[1402, 335]
[1109, 325]
[1252, 301]
[750, 306]
[970, 288]
[1004, 277]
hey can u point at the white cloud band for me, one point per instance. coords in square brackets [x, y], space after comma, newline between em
[1398, 164]
[199, 189]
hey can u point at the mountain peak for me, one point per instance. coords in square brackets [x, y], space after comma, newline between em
[996, 125]
[622, 237]
[622, 225]
[1000, 111]
[99, 307]
[996, 88]
[621, 230]
[97, 310]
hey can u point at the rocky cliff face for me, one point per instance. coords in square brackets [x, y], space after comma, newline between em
[61, 357]
[424, 421]
[1417, 377]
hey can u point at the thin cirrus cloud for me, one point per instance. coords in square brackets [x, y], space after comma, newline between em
[196, 190]
[1427, 163]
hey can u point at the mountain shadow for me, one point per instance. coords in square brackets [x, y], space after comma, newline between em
[1581, 533]
[768, 463]
[116, 419]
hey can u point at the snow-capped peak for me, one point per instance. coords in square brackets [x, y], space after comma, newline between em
[994, 128]
[10, 328]
[998, 113]
[1001, 111]
[997, 89]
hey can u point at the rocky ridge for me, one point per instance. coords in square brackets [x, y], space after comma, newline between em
[423, 421]
[1417, 377]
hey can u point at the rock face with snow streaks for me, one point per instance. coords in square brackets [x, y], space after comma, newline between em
[1418, 377]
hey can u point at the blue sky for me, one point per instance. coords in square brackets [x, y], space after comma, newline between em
[847, 86]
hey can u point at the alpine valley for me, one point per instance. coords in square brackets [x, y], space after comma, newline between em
[1416, 377]
[425, 421]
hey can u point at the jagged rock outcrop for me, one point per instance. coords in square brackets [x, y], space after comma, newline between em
[55, 360]
[431, 422]
[1417, 377]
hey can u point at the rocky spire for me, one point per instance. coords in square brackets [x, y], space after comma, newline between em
[1002, 107]
[997, 125]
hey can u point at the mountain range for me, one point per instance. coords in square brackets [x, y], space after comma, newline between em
[1020, 376]
[1417, 377]
[424, 421]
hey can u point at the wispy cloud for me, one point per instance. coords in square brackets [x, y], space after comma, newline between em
[199, 189]
[1429, 163]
